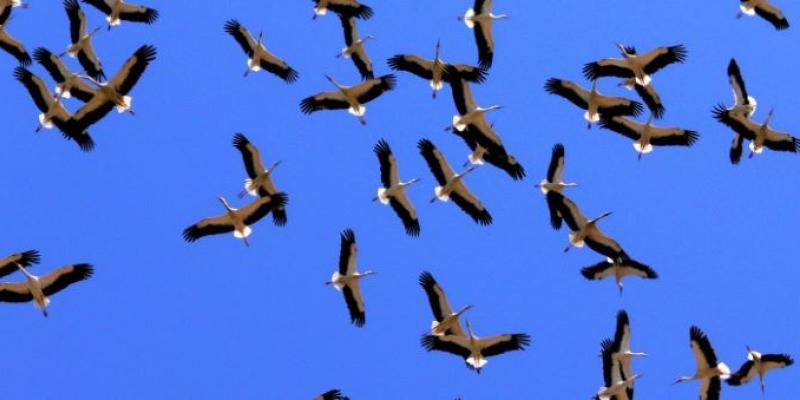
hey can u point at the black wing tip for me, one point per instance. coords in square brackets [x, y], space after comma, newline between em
[307, 105]
[85, 270]
[146, 52]
[382, 148]
[658, 111]
[637, 109]
[240, 141]
[71, 5]
[426, 280]
[84, 141]
[425, 145]
[151, 15]
[695, 333]
[428, 342]
[622, 317]
[479, 75]
[191, 234]
[279, 219]
[552, 85]
[291, 75]
[232, 26]
[691, 137]
[587, 273]
[348, 235]
[413, 229]
[590, 71]
[515, 170]
[388, 81]
[483, 219]
[394, 62]
[522, 340]
[279, 200]
[365, 12]
[22, 74]
[41, 54]
[358, 320]
[679, 52]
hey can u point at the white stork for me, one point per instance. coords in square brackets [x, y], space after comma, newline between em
[39, 288]
[645, 136]
[333, 394]
[393, 191]
[480, 19]
[621, 350]
[451, 185]
[475, 350]
[765, 9]
[555, 182]
[759, 135]
[758, 364]
[445, 320]
[258, 57]
[350, 98]
[742, 103]
[347, 279]
[9, 43]
[236, 220]
[355, 49]
[68, 83]
[494, 155]
[469, 112]
[259, 179]
[709, 371]
[435, 70]
[80, 46]
[619, 270]
[349, 8]
[52, 111]
[8, 264]
[114, 93]
[617, 385]
[649, 96]
[585, 230]
[592, 100]
[117, 11]
[633, 65]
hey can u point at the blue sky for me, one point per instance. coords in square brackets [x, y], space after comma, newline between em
[165, 319]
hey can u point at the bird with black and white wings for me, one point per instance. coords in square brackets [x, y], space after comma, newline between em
[649, 96]
[10, 44]
[350, 98]
[480, 19]
[258, 57]
[634, 65]
[393, 191]
[621, 349]
[52, 111]
[333, 394]
[470, 113]
[68, 83]
[446, 321]
[39, 288]
[347, 8]
[355, 49]
[81, 46]
[759, 135]
[497, 156]
[646, 135]
[475, 350]
[619, 270]
[766, 10]
[8, 264]
[595, 103]
[259, 179]
[117, 11]
[616, 384]
[347, 278]
[451, 185]
[436, 70]
[236, 220]
[554, 181]
[758, 364]
[709, 371]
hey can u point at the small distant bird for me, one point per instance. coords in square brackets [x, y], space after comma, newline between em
[68, 83]
[475, 350]
[334, 394]
[81, 41]
[347, 278]
[52, 112]
[259, 182]
[114, 93]
[258, 56]
[555, 182]
[350, 98]
[764, 9]
[236, 220]
[355, 49]
[709, 371]
[758, 364]
[645, 136]
[117, 11]
[445, 320]
[480, 19]
[759, 135]
[649, 96]
[39, 288]
[8, 264]
[435, 70]
[633, 65]
[617, 385]
[585, 230]
[592, 101]
[618, 270]
[451, 185]
[393, 192]
[348, 8]
[9, 43]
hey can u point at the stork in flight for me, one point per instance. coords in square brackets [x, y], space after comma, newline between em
[646, 135]
[619, 270]
[554, 181]
[617, 385]
[435, 70]
[39, 288]
[236, 220]
[648, 94]
[445, 319]
[621, 353]
[758, 364]
[766, 10]
[592, 100]
[347, 278]
[259, 179]
[585, 230]
[393, 191]
[81, 46]
[68, 83]
[759, 135]
[475, 350]
[742, 103]
[117, 11]
[258, 57]
[634, 65]
[348, 8]
[480, 19]
[8, 264]
[709, 370]
[355, 49]
[350, 98]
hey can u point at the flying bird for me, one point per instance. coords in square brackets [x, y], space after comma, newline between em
[617, 385]
[236, 220]
[759, 135]
[645, 136]
[649, 96]
[621, 353]
[555, 182]
[585, 230]
[497, 156]
[765, 9]
[451, 185]
[117, 11]
[619, 270]
[758, 364]
[8, 264]
[259, 179]
[68, 83]
[81, 41]
[39, 288]
[9, 43]
[350, 98]
[709, 371]
[348, 8]
[474, 350]
[258, 57]
[435, 70]
[742, 103]
[634, 65]
[592, 101]
[333, 394]
[393, 192]
[445, 320]
[480, 19]
[347, 279]
[355, 49]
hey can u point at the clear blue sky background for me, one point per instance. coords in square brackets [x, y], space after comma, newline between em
[166, 319]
